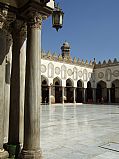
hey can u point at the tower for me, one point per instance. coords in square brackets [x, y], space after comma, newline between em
[65, 50]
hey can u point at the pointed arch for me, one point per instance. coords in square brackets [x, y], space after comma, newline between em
[80, 83]
[58, 80]
[79, 91]
[44, 89]
[101, 91]
[69, 90]
[69, 82]
[89, 93]
[57, 83]
[115, 91]
[44, 79]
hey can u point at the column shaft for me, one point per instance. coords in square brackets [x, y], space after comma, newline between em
[62, 95]
[74, 95]
[3, 154]
[109, 91]
[84, 95]
[31, 146]
[49, 95]
[14, 118]
[94, 95]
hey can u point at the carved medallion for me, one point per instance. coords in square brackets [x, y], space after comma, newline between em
[108, 75]
[43, 68]
[89, 75]
[80, 73]
[57, 70]
[100, 75]
[69, 72]
[116, 73]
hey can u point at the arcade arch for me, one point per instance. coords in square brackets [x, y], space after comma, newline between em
[79, 91]
[57, 87]
[115, 91]
[69, 90]
[89, 93]
[101, 92]
[44, 89]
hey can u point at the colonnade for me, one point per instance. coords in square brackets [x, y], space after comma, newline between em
[69, 99]
[70, 94]
[23, 114]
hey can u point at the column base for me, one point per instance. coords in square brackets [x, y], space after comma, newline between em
[3, 154]
[31, 154]
[13, 150]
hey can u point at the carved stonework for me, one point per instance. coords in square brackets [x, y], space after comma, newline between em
[85, 75]
[50, 70]
[116, 73]
[57, 70]
[93, 76]
[43, 68]
[89, 75]
[75, 73]
[69, 72]
[63, 72]
[35, 20]
[80, 74]
[100, 75]
[3, 16]
[6, 18]
[108, 75]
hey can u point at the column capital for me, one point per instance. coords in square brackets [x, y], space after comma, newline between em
[35, 20]
[3, 16]
[19, 30]
[6, 18]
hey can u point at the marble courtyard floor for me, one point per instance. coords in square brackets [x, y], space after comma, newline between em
[80, 131]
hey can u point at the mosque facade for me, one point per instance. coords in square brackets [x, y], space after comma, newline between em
[67, 80]
[24, 83]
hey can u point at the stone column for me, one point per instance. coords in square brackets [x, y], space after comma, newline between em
[14, 117]
[3, 53]
[109, 93]
[7, 88]
[94, 95]
[31, 145]
[74, 95]
[49, 95]
[3, 153]
[84, 95]
[62, 95]
[22, 90]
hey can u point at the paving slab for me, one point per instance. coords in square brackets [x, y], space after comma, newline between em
[80, 131]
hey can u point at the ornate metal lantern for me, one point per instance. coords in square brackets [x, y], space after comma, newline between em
[57, 18]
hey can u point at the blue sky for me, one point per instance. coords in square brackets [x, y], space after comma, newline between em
[90, 26]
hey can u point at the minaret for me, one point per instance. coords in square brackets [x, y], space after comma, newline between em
[65, 50]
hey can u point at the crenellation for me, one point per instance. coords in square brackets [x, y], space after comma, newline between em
[109, 63]
[86, 62]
